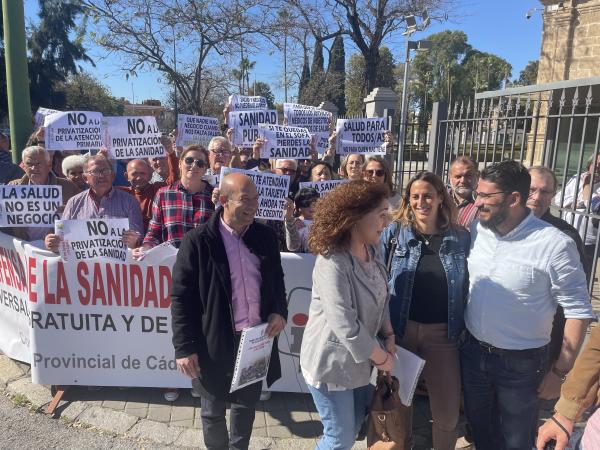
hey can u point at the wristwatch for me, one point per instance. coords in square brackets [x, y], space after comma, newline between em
[562, 374]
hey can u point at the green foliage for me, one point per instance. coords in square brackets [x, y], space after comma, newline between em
[318, 64]
[529, 74]
[264, 90]
[83, 92]
[336, 70]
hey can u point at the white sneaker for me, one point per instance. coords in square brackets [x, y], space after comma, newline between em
[264, 396]
[171, 395]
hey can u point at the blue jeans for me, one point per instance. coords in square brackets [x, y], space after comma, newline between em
[501, 398]
[342, 414]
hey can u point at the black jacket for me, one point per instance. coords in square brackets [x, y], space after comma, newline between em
[201, 308]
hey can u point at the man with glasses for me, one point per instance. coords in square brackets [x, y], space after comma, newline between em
[219, 154]
[520, 269]
[37, 163]
[463, 178]
[102, 201]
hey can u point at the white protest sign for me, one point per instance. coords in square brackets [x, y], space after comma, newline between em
[74, 130]
[41, 114]
[272, 192]
[285, 142]
[315, 120]
[322, 187]
[361, 136]
[238, 102]
[30, 205]
[246, 127]
[133, 137]
[196, 130]
[92, 239]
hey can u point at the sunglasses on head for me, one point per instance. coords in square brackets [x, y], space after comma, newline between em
[377, 173]
[189, 161]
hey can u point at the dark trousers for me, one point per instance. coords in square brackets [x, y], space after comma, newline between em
[214, 425]
[500, 390]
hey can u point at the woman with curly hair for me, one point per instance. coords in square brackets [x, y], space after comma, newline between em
[349, 309]
[426, 253]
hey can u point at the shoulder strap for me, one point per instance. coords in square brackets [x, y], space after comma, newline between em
[392, 247]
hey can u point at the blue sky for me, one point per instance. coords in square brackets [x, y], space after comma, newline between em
[495, 26]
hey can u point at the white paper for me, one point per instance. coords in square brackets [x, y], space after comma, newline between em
[196, 130]
[41, 114]
[133, 137]
[74, 130]
[314, 119]
[365, 136]
[30, 205]
[92, 239]
[254, 355]
[246, 123]
[238, 102]
[322, 187]
[285, 142]
[408, 370]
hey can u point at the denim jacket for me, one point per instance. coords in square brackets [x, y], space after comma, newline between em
[453, 255]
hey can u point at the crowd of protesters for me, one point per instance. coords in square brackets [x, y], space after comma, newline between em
[477, 277]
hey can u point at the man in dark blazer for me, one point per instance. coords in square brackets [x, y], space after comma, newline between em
[227, 277]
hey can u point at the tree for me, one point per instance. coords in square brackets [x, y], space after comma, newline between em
[242, 75]
[204, 32]
[336, 69]
[385, 77]
[53, 54]
[264, 90]
[529, 74]
[83, 92]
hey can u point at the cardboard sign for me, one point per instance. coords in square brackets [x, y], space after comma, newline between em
[365, 136]
[133, 137]
[315, 120]
[92, 239]
[196, 130]
[238, 102]
[74, 130]
[30, 205]
[285, 142]
[246, 125]
[272, 192]
[41, 114]
[322, 187]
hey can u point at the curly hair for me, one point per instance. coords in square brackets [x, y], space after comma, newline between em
[338, 211]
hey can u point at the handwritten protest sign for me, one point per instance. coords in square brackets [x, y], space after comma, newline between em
[133, 137]
[238, 102]
[361, 136]
[41, 114]
[74, 130]
[92, 239]
[282, 141]
[322, 187]
[30, 205]
[272, 192]
[315, 120]
[246, 127]
[196, 130]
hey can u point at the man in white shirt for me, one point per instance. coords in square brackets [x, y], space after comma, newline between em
[520, 269]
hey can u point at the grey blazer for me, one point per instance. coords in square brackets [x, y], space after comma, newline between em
[343, 322]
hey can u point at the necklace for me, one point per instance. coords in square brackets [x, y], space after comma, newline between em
[427, 239]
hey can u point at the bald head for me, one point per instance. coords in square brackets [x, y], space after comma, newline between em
[239, 198]
[139, 174]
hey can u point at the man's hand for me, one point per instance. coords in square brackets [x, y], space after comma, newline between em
[41, 136]
[275, 326]
[388, 138]
[167, 143]
[189, 365]
[257, 147]
[551, 430]
[52, 241]
[229, 135]
[131, 238]
[550, 387]
[288, 212]
[226, 112]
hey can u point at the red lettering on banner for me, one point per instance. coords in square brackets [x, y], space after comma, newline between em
[136, 282]
[18, 270]
[164, 275]
[49, 298]
[150, 295]
[98, 286]
[125, 286]
[32, 279]
[8, 279]
[62, 285]
[84, 293]
[113, 282]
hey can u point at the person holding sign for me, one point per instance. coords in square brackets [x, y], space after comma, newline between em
[38, 165]
[102, 201]
[427, 251]
[220, 153]
[348, 310]
[351, 167]
[227, 277]
[181, 206]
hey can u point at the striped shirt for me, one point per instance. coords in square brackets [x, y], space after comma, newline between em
[114, 205]
[467, 211]
[175, 211]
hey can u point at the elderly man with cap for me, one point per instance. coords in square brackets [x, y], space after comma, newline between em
[227, 277]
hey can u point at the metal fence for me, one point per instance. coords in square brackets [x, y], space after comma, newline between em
[553, 124]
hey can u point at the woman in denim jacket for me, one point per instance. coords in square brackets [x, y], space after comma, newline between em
[427, 251]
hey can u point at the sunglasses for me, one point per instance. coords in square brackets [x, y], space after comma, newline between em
[377, 173]
[190, 161]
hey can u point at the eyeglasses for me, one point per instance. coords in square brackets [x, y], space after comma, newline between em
[483, 195]
[377, 172]
[190, 161]
[99, 172]
[287, 170]
[221, 154]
